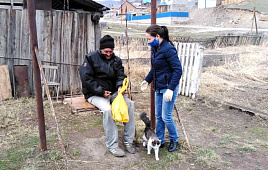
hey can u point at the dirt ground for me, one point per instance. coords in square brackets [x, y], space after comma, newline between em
[220, 137]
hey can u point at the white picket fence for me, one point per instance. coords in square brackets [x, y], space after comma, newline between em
[191, 57]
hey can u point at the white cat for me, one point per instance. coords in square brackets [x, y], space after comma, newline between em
[150, 137]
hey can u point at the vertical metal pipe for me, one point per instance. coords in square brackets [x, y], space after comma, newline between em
[36, 72]
[153, 12]
[153, 21]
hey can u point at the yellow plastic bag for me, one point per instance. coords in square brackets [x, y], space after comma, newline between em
[119, 106]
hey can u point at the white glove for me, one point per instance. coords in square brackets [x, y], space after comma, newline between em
[168, 95]
[144, 85]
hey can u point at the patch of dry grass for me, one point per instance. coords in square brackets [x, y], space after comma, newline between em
[247, 73]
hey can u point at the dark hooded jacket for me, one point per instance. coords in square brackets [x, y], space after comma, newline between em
[166, 68]
[99, 74]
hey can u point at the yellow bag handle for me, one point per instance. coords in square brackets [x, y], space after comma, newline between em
[125, 84]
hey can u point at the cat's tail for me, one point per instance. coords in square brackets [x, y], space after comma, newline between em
[145, 119]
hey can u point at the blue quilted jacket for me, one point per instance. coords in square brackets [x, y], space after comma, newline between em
[166, 68]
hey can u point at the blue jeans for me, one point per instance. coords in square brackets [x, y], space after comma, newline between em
[163, 114]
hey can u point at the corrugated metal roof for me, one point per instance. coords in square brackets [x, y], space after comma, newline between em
[146, 1]
[86, 5]
[163, 4]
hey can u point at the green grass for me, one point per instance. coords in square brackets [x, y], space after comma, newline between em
[167, 160]
[212, 129]
[206, 157]
[259, 132]
[74, 152]
[25, 149]
[97, 122]
[16, 156]
[246, 148]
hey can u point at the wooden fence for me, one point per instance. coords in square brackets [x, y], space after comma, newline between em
[63, 39]
[191, 57]
[218, 41]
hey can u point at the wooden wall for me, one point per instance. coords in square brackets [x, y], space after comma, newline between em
[63, 39]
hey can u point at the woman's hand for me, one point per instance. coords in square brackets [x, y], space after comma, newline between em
[168, 95]
[144, 85]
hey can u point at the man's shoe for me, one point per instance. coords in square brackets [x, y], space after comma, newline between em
[117, 152]
[129, 147]
[162, 145]
[173, 146]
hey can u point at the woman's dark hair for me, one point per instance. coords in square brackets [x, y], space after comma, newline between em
[153, 30]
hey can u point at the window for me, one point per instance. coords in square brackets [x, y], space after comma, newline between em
[131, 10]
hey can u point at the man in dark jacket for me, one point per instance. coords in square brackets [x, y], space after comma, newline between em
[102, 75]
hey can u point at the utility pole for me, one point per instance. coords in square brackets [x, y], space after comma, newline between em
[36, 72]
[153, 21]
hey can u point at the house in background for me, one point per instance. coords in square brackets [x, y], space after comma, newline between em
[207, 3]
[127, 8]
[162, 7]
[180, 5]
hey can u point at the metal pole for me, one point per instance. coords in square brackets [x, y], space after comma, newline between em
[36, 72]
[128, 61]
[153, 21]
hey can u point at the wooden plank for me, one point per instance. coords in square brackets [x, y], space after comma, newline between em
[47, 36]
[11, 45]
[41, 26]
[195, 72]
[200, 57]
[97, 30]
[78, 103]
[70, 20]
[21, 30]
[195, 81]
[3, 34]
[54, 38]
[74, 54]
[183, 48]
[62, 48]
[91, 35]
[190, 69]
[5, 86]
[18, 36]
[185, 70]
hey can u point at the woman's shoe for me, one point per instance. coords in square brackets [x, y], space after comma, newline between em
[162, 145]
[172, 146]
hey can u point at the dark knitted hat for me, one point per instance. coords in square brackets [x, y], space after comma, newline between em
[107, 42]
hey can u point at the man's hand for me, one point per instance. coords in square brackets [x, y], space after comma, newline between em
[106, 94]
[118, 90]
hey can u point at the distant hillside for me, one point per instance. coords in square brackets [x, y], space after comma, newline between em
[261, 5]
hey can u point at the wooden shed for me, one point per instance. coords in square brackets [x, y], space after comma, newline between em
[66, 32]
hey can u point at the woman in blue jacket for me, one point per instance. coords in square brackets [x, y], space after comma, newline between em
[165, 74]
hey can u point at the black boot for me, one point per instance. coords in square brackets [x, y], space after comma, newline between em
[172, 146]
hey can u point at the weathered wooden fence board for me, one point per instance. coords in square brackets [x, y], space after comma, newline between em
[63, 39]
[191, 57]
[5, 87]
